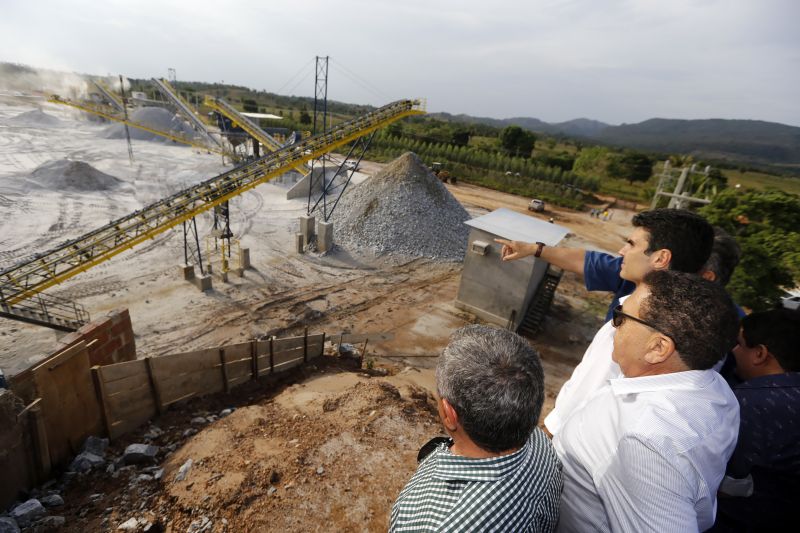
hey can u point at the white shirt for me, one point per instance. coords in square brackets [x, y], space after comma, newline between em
[591, 374]
[647, 454]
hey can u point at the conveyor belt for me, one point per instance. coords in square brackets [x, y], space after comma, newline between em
[44, 270]
[108, 113]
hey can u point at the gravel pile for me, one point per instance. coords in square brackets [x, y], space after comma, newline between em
[36, 119]
[66, 175]
[152, 117]
[402, 210]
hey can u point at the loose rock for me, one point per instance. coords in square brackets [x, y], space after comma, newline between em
[8, 525]
[28, 512]
[85, 461]
[183, 471]
[52, 500]
[139, 453]
[131, 524]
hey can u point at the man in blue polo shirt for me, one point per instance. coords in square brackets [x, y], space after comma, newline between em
[662, 239]
[674, 239]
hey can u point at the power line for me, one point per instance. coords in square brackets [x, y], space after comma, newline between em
[355, 78]
[291, 79]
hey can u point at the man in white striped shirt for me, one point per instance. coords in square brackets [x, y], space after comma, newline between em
[647, 452]
[498, 472]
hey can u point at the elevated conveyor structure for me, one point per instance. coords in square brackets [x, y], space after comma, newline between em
[112, 98]
[28, 278]
[224, 108]
[186, 109]
[108, 113]
[221, 106]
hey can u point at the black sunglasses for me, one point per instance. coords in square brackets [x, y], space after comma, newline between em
[618, 317]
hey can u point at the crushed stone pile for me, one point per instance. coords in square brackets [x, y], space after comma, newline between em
[152, 117]
[36, 119]
[403, 210]
[66, 175]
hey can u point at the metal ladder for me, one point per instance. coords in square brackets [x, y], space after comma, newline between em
[540, 303]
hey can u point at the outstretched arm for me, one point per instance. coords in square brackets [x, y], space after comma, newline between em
[570, 259]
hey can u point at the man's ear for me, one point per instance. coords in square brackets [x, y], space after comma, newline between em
[708, 275]
[658, 349]
[449, 416]
[761, 355]
[661, 259]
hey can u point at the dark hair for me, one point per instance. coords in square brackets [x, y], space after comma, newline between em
[687, 235]
[779, 331]
[494, 380]
[725, 255]
[696, 313]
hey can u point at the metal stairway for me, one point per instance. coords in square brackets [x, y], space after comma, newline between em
[46, 310]
[28, 278]
[185, 109]
[540, 303]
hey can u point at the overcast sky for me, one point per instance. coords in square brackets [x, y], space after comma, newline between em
[610, 60]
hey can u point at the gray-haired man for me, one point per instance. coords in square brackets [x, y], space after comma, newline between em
[498, 471]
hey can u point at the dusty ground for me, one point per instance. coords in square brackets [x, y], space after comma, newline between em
[329, 453]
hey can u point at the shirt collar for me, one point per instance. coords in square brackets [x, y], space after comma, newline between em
[689, 379]
[451, 467]
[789, 379]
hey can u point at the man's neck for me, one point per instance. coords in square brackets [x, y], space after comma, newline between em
[464, 447]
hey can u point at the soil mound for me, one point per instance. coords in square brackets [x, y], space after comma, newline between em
[36, 119]
[403, 209]
[66, 175]
[152, 117]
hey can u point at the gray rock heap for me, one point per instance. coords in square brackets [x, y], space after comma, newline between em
[402, 210]
[155, 118]
[66, 175]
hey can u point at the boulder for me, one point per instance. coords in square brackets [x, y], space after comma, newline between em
[28, 512]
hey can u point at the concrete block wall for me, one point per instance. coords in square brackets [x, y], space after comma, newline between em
[113, 334]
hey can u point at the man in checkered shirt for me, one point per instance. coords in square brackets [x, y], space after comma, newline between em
[497, 471]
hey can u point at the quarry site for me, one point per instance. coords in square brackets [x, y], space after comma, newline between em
[291, 387]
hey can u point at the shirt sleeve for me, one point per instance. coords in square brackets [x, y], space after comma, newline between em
[643, 491]
[601, 271]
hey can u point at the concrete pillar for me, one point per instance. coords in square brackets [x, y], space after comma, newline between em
[244, 258]
[307, 228]
[203, 283]
[299, 243]
[188, 272]
[324, 236]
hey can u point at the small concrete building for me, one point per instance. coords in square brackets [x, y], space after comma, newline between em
[511, 294]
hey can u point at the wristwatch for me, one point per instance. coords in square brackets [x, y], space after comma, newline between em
[539, 248]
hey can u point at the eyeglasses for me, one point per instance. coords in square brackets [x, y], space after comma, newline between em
[618, 317]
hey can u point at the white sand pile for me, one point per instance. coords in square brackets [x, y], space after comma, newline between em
[36, 119]
[403, 209]
[153, 117]
[66, 175]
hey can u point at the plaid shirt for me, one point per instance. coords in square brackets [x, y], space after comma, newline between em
[515, 492]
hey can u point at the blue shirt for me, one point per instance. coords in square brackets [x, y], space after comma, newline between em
[768, 450]
[601, 273]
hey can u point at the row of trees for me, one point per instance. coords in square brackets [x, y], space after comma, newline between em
[472, 157]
